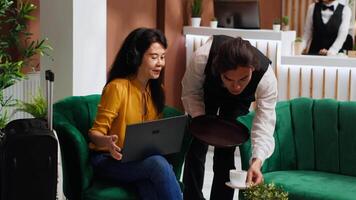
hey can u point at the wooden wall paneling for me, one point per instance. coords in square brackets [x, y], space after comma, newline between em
[288, 83]
[311, 84]
[349, 85]
[296, 10]
[285, 8]
[323, 84]
[336, 84]
[300, 82]
[276, 67]
[300, 18]
[161, 13]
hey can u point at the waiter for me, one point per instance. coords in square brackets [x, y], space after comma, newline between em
[227, 74]
[326, 28]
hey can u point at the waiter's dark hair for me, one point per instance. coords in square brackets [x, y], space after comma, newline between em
[235, 53]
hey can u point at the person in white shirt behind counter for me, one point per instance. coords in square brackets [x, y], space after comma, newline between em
[227, 74]
[326, 28]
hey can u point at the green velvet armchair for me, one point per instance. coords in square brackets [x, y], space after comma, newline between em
[73, 116]
[315, 149]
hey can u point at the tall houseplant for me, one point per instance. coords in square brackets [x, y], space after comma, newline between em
[196, 12]
[17, 49]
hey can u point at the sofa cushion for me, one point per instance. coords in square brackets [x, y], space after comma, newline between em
[347, 138]
[314, 185]
[284, 155]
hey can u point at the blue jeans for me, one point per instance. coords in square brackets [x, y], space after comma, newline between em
[153, 176]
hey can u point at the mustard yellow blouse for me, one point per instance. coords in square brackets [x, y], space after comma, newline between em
[123, 102]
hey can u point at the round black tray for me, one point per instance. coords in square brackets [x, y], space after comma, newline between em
[215, 131]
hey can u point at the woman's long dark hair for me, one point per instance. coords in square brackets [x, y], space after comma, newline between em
[129, 58]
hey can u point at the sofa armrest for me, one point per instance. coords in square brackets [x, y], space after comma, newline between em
[177, 159]
[245, 148]
[77, 170]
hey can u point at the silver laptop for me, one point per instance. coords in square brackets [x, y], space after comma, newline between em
[159, 137]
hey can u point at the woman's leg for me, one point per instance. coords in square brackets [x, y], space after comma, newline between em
[161, 174]
[154, 169]
[146, 189]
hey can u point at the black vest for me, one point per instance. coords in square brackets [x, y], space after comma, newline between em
[324, 35]
[217, 96]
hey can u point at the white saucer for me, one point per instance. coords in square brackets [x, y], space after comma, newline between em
[244, 186]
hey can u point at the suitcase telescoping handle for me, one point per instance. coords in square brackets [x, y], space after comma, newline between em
[49, 83]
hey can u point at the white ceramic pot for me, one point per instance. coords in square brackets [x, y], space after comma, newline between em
[298, 48]
[276, 27]
[196, 21]
[213, 24]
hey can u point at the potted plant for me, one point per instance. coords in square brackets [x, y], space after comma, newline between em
[214, 22]
[266, 192]
[298, 46]
[17, 49]
[277, 24]
[37, 107]
[285, 23]
[196, 12]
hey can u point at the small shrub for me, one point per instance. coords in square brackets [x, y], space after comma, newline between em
[285, 20]
[266, 192]
[37, 107]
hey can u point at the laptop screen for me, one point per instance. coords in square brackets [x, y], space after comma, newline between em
[162, 137]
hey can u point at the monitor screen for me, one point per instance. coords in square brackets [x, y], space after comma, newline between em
[243, 14]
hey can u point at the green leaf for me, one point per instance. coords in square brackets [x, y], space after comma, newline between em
[16, 38]
[266, 192]
[37, 107]
[29, 17]
[196, 8]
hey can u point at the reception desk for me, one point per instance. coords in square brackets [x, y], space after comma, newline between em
[318, 77]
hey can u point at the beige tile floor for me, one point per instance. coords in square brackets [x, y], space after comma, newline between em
[209, 172]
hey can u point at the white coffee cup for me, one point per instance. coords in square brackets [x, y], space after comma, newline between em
[238, 177]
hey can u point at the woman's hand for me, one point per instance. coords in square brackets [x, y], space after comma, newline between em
[106, 141]
[113, 148]
[254, 174]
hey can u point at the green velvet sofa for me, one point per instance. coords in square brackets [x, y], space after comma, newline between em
[315, 151]
[73, 116]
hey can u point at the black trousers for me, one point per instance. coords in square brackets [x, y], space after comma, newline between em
[194, 168]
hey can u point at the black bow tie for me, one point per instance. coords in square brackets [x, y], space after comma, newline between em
[324, 7]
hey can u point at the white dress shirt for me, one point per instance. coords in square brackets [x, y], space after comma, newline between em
[325, 15]
[266, 96]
